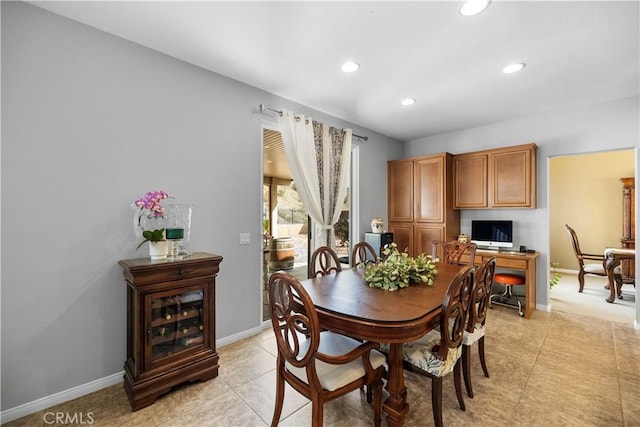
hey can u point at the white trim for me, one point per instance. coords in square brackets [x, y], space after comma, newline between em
[240, 336]
[354, 196]
[543, 307]
[93, 386]
[60, 397]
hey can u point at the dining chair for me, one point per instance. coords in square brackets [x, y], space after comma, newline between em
[363, 253]
[451, 252]
[597, 269]
[320, 365]
[324, 260]
[475, 329]
[438, 353]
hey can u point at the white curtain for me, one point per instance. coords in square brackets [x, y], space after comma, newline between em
[319, 158]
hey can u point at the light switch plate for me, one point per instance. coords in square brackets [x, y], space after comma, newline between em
[245, 238]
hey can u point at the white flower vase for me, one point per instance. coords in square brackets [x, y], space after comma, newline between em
[158, 250]
[377, 225]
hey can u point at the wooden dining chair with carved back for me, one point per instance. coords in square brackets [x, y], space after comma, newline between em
[324, 260]
[451, 252]
[320, 365]
[363, 253]
[438, 353]
[475, 330]
[597, 268]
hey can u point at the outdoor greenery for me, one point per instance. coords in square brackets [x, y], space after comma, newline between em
[555, 277]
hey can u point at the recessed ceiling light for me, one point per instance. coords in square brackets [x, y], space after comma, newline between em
[513, 68]
[408, 101]
[350, 67]
[473, 7]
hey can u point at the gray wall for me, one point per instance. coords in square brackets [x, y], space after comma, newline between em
[607, 126]
[90, 122]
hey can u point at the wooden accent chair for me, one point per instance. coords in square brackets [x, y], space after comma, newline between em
[320, 365]
[363, 253]
[324, 260]
[597, 269]
[451, 252]
[475, 330]
[438, 353]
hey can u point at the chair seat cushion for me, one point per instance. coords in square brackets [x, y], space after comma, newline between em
[420, 353]
[594, 269]
[332, 377]
[468, 338]
[508, 279]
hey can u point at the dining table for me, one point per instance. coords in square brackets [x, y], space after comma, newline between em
[612, 259]
[346, 304]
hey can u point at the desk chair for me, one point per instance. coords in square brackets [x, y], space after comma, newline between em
[507, 298]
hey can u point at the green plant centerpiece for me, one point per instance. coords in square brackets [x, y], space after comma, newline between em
[399, 270]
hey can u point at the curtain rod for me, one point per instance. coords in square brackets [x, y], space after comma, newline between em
[264, 108]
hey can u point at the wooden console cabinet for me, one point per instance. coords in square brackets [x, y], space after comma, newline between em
[170, 324]
[525, 262]
[628, 239]
[500, 178]
[420, 202]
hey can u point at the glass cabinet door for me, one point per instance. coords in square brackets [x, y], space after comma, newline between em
[176, 322]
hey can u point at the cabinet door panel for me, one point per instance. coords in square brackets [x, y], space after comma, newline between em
[511, 179]
[176, 323]
[402, 236]
[425, 235]
[429, 179]
[400, 190]
[470, 181]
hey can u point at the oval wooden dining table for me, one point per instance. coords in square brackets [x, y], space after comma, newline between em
[346, 304]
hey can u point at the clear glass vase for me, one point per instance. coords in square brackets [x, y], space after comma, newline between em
[179, 218]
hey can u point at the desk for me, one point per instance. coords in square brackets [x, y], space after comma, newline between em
[514, 261]
[612, 259]
[346, 304]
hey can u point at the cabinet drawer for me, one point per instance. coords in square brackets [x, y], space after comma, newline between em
[519, 264]
[142, 272]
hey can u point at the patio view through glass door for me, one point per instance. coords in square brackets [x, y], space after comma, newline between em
[285, 220]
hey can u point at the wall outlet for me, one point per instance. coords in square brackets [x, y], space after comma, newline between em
[245, 238]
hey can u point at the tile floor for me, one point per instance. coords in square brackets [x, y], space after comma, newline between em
[555, 369]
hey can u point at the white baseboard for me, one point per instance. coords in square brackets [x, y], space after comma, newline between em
[93, 386]
[239, 336]
[567, 271]
[58, 398]
[543, 307]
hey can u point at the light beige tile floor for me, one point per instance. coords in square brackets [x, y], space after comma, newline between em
[555, 369]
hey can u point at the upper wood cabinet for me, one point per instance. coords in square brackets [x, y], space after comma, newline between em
[420, 202]
[500, 178]
[400, 190]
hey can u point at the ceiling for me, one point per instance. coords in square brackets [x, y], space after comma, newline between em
[274, 161]
[577, 53]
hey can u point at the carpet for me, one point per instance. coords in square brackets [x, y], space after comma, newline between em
[591, 302]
